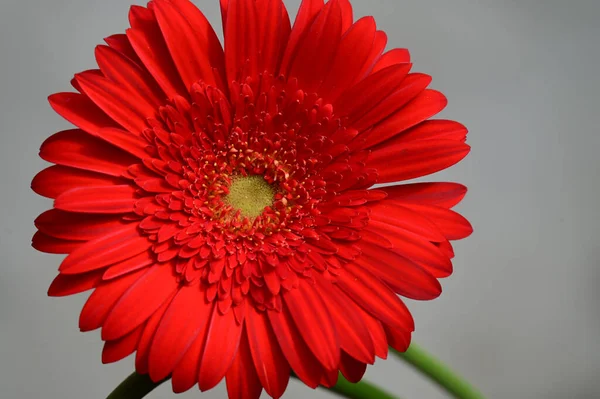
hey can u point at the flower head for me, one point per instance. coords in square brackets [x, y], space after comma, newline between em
[220, 203]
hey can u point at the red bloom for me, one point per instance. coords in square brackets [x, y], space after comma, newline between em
[220, 203]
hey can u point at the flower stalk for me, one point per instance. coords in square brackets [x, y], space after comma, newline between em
[137, 386]
[360, 390]
[439, 372]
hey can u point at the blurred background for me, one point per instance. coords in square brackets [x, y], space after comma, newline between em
[520, 315]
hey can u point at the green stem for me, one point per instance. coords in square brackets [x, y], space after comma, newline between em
[439, 373]
[136, 386]
[360, 390]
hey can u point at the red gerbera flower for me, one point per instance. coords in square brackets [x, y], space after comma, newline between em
[220, 202]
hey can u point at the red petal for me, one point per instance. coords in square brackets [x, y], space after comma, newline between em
[361, 98]
[271, 366]
[308, 310]
[399, 339]
[130, 112]
[120, 348]
[146, 38]
[135, 145]
[446, 248]
[376, 331]
[420, 108]
[375, 297]
[79, 150]
[453, 225]
[352, 369]
[379, 44]
[125, 73]
[120, 43]
[75, 83]
[274, 31]
[137, 262]
[403, 276]
[353, 335]
[445, 195]
[140, 301]
[45, 243]
[185, 374]
[405, 243]
[352, 53]
[224, 5]
[221, 347]
[347, 15]
[72, 226]
[187, 316]
[144, 346]
[321, 44]
[435, 129]
[242, 380]
[103, 299]
[105, 200]
[80, 111]
[64, 284]
[113, 247]
[306, 14]
[330, 378]
[404, 161]
[392, 57]
[241, 41]
[303, 362]
[411, 86]
[202, 26]
[395, 216]
[55, 180]
[183, 40]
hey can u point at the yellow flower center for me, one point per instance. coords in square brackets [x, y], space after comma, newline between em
[250, 195]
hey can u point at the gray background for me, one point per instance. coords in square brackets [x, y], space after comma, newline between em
[519, 316]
